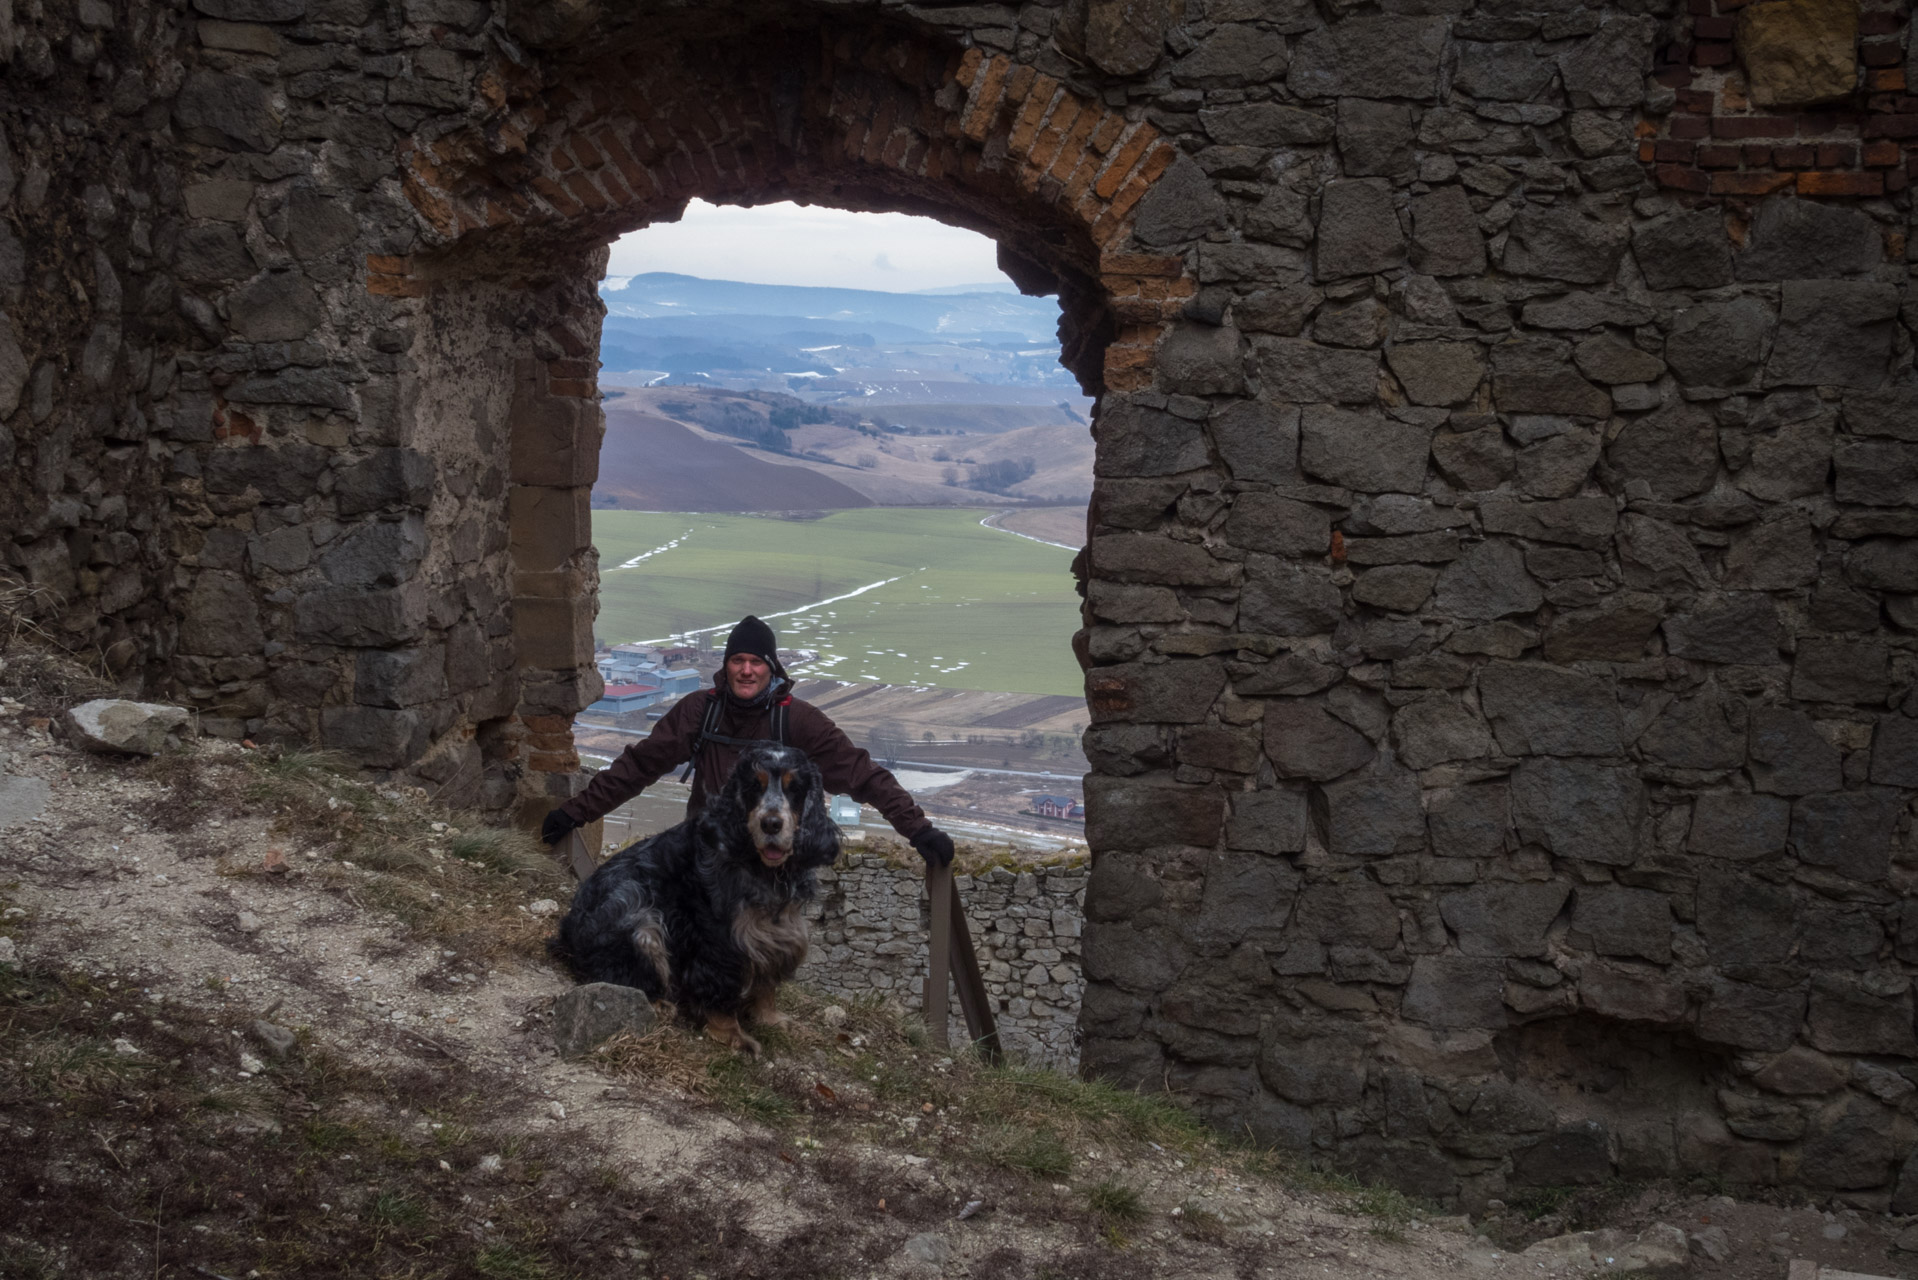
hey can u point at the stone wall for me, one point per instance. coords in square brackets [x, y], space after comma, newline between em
[1501, 599]
[869, 938]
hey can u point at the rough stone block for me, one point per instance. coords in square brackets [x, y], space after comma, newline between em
[1740, 626]
[1503, 919]
[1847, 831]
[1536, 709]
[1202, 360]
[1437, 373]
[1832, 670]
[1607, 68]
[1751, 1017]
[1737, 826]
[384, 479]
[1579, 809]
[1393, 56]
[221, 617]
[1799, 52]
[1631, 994]
[1793, 239]
[1878, 473]
[1375, 812]
[1134, 813]
[1446, 240]
[590, 1015]
[359, 616]
[1616, 921]
[1267, 821]
[1788, 755]
[1745, 920]
[1489, 581]
[1438, 729]
[1832, 332]
[1470, 821]
[1302, 372]
[1684, 251]
[1285, 599]
[1181, 691]
[1673, 452]
[374, 736]
[1894, 752]
[1719, 344]
[1359, 231]
[1364, 451]
[1153, 558]
[1565, 242]
[1455, 993]
[1375, 138]
[1258, 441]
[1280, 526]
[1304, 740]
[118, 725]
[1473, 460]
[1616, 629]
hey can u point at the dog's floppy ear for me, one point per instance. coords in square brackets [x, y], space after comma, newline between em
[817, 840]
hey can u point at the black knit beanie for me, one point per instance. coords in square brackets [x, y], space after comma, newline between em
[755, 637]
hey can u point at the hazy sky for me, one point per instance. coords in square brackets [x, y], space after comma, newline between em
[788, 244]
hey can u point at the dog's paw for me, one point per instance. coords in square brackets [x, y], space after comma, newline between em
[770, 1017]
[728, 1032]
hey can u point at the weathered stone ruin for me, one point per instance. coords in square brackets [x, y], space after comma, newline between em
[1502, 585]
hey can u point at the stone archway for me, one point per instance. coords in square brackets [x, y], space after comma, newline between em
[522, 202]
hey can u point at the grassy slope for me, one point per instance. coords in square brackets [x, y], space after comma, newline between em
[1002, 606]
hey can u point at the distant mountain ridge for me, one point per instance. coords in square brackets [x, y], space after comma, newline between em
[931, 315]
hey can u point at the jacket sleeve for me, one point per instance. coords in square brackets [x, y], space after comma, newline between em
[849, 770]
[641, 764]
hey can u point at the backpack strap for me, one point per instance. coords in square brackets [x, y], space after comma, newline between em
[709, 730]
[708, 723]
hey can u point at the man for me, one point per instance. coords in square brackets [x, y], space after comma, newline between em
[750, 701]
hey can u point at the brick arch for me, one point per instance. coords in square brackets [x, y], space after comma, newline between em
[518, 206]
[876, 119]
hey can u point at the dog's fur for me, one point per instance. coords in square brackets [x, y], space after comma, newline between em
[707, 913]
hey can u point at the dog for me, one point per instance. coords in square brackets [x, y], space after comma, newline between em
[707, 914]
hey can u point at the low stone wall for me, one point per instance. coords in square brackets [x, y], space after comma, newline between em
[869, 934]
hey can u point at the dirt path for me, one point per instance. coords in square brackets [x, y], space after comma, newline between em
[189, 934]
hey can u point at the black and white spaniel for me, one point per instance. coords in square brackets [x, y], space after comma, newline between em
[707, 913]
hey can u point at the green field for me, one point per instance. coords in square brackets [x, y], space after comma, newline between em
[962, 606]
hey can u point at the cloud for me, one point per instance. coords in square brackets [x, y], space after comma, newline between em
[788, 243]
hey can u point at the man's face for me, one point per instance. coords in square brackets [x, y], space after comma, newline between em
[747, 675]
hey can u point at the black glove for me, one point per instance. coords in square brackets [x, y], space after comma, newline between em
[557, 824]
[935, 846]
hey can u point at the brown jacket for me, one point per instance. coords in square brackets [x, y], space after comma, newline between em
[847, 770]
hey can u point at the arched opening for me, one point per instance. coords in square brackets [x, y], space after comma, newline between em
[499, 384]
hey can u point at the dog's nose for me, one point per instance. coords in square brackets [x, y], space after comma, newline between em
[771, 824]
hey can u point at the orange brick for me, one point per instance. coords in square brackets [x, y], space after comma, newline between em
[1887, 80]
[561, 161]
[585, 152]
[556, 196]
[1129, 195]
[1141, 264]
[1072, 148]
[547, 724]
[1158, 162]
[1748, 184]
[1019, 83]
[987, 91]
[1137, 310]
[969, 66]
[387, 264]
[552, 762]
[587, 192]
[898, 147]
[1644, 129]
[435, 208]
[1044, 90]
[396, 286]
[1047, 146]
[1878, 154]
[1841, 184]
[1183, 287]
[1122, 161]
[574, 388]
[880, 131]
[1109, 130]
[622, 159]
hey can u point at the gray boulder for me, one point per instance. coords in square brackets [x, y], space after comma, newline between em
[1792, 239]
[115, 725]
[590, 1015]
[1832, 333]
